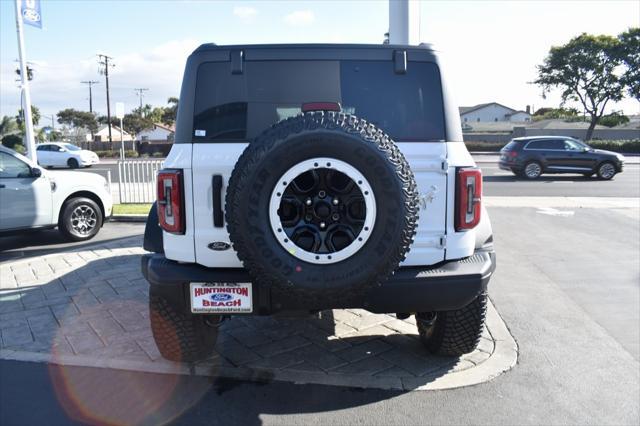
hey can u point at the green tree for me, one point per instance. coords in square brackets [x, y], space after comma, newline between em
[584, 70]
[629, 53]
[170, 112]
[78, 119]
[554, 113]
[8, 126]
[614, 119]
[134, 123]
[13, 141]
[35, 117]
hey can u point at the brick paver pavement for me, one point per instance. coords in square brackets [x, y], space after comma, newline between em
[89, 307]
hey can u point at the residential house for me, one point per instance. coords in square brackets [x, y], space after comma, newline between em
[159, 133]
[493, 112]
[102, 135]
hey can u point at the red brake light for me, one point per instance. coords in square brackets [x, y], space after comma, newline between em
[321, 106]
[468, 198]
[171, 201]
[512, 154]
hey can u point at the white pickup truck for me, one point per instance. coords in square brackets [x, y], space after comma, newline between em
[33, 198]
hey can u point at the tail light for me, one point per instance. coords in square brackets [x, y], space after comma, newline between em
[171, 201]
[468, 198]
[512, 154]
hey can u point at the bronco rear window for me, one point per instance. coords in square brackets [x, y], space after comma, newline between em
[238, 107]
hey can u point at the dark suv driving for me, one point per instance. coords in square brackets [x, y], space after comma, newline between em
[531, 156]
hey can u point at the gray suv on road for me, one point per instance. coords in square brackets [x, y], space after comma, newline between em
[532, 156]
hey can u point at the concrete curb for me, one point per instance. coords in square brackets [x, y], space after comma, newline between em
[129, 218]
[503, 358]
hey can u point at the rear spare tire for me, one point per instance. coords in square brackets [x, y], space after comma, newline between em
[322, 206]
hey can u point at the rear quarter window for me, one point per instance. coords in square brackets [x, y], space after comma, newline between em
[238, 107]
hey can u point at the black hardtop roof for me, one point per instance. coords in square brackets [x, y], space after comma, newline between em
[311, 46]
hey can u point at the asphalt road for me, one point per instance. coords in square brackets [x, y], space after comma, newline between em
[566, 286]
[36, 243]
[502, 183]
[498, 182]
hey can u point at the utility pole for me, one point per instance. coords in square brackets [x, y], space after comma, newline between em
[141, 91]
[26, 95]
[104, 62]
[90, 83]
[404, 22]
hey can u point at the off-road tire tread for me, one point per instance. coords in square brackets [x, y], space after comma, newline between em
[311, 121]
[179, 336]
[456, 332]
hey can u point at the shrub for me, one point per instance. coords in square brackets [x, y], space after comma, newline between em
[107, 154]
[129, 153]
[157, 154]
[12, 142]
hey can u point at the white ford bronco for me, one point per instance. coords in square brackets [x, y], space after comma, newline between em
[313, 177]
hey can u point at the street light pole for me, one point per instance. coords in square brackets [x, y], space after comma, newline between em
[26, 104]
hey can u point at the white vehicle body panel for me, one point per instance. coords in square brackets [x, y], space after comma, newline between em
[433, 164]
[40, 199]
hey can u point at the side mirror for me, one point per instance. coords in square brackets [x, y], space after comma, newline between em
[586, 149]
[36, 172]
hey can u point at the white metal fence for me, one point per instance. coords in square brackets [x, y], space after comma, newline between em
[137, 180]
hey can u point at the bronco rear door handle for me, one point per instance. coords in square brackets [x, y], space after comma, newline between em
[216, 185]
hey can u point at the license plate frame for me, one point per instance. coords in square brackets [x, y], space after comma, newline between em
[221, 298]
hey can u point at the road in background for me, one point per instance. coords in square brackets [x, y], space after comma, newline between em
[502, 183]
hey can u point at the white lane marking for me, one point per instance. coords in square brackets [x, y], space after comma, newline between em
[562, 202]
[555, 212]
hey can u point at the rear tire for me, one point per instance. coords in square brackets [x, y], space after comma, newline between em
[453, 333]
[179, 335]
[80, 219]
[73, 163]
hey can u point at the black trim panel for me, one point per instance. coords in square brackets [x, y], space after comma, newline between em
[450, 285]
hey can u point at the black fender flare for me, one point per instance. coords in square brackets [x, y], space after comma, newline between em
[152, 232]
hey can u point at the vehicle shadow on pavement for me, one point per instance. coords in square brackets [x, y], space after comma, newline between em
[44, 241]
[90, 308]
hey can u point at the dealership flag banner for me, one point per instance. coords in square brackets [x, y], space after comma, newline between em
[30, 11]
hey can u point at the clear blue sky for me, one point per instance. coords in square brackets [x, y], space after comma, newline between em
[492, 47]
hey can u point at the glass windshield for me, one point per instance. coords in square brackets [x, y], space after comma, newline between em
[71, 147]
[241, 106]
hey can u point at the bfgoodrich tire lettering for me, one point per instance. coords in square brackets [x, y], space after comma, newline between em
[345, 138]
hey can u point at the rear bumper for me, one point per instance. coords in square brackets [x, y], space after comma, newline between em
[508, 165]
[450, 285]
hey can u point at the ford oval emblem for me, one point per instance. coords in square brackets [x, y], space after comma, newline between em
[221, 297]
[219, 246]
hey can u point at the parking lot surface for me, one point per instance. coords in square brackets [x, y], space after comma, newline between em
[88, 308]
[566, 287]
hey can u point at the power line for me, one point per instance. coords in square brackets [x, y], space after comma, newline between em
[104, 63]
[90, 83]
[141, 91]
